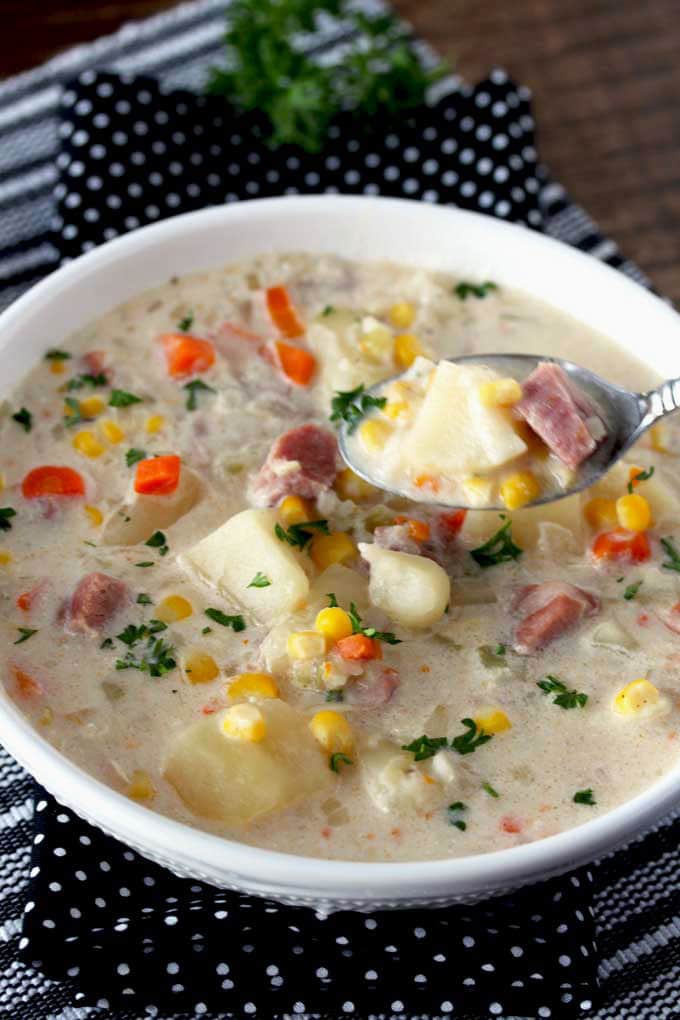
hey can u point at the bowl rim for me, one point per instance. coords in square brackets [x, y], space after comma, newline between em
[249, 865]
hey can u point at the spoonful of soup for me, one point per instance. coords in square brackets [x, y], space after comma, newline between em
[494, 431]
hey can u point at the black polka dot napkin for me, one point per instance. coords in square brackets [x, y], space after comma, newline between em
[130, 938]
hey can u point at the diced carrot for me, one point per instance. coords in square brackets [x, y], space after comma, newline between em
[510, 824]
[26, 600]
[643, 619]
[296, 363]
[158, 476]
[282, 313]
[419, 531]
[358, 646]
[52, 481]
[622, 545]
[26, 686]
[453, 522]
[427, 482]
[186, 355]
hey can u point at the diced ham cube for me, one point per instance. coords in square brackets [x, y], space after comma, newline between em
[301, 462]
[547, 611]
[94, 363]
[560, 413]
[375, 688]
[95, 602]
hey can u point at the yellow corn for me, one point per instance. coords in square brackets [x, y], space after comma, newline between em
[329, 549]
[601, 513]
[640, 697]
[200, 668]
[407, 347]
[402, 314]
[154, 424]
[253, 685]
[244, 722]
[334, 623]
[519, 489]
[87, 443]
[494, 721]
[90, 407]
[377, 343]
[112, 431]
[174, 608]
[658, 436]
[349, 485]
[57, 367]
[633, 512]
[374, 434]
[2, 481]
[305, 644]
[140, 786]
[332, 731]
[500, 393]
[397, 409]
[46, 717]
[536, 446]
[95, 515]
[5, 557]
[478, 488]
[294, 510]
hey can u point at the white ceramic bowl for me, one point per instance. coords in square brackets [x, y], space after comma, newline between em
[467, 244]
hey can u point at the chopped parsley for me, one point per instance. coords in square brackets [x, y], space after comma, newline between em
[584, 797]
[73, 417]
[54, 354]
[132, 633]
[158, 541]
[144, 600]
[23, 418]
[500, 548]
[186, 323]
[107, 643]
[146, 563]
[454, 812]
[193, 388]
[641, 476]
[237, 623]
[632, 590]
[134, 456]
[478, 290]
[564, 697]
[26, 633]
[5, 513]
[337, 759]
[334, 696]
[380, 635]
[207, 630]
[488, 788]
[86, 379]
[300, 534]
[120, 398]
[425, 747]
[465, 743]
[259, 581]
[328, 310]
[673, 562]
[351, 405]
[332, 600]
[492, 656]
[156, 660]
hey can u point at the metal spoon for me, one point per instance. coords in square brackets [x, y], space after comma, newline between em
[626, 416]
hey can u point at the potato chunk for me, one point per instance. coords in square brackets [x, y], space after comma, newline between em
[243, 546]
[137, 520]
[396, 783]
[236, 781]
[454, 434]
[412, 590]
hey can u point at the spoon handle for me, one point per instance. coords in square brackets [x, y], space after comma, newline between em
[659, 402]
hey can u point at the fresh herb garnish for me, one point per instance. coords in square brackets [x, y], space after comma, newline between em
[74, 417]
[26, 633]
[300, 534]
[186, 323]
[194, 387]
[133, 633]
[54, 354]
[107, 643]
[328, 310]
[584, 797]
[454, 811]
[641, 476]
[334, 696]
[380, 635]
[465, 743]
[158, 541]
[332, 600]
[337, 759]
[134, 456]
[673, 562]
[488, 788]
[86, 379]
[207, 630]
[259, 581]
[351, 406]
[146, 563]
[144, 600]
[23, 418]
[425, 747]
[564, 697]
[237, 623]
[479, 290]
[500, 548]
[632, 590]
[491, 658]
[157, 659]
[5, 513]
[120, 398]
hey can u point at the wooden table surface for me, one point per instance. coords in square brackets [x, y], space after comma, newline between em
[605, 76]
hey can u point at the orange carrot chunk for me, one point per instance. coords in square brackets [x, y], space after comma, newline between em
[452, 522]
[622, 545]
[157, 476]
[282, 313]
[26, 686]
[186, 355]
[52, 481]
[358, 646]
[296, 363]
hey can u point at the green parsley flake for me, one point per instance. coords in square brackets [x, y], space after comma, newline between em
[120, 398]
[23, 418]
[259, 581]
[632, 590]
[186, 323]
[351, 406]
[144, 600]
[488, 788]
[193, 388]
[237, 623]
[564, 697]
[334, 696]
[298, 535]
[74, 417]
[673, 562]
[478, 290]
[332, 600]
[337, 759]
[454, 812]
[584, 797]
[465, 743]
[641, 476]
[86, 379]
[380, 635]
[500, 548]
[26, 633]
[53, 354]
[158, 541]
[134, 456]
[5, 513]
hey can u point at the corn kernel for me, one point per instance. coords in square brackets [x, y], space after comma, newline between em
[87, 443]
[90, 407]
[294, 510]
[253, 685]
[334, 623]
[500, 393]
[46, 717]
[519, 489]
[601, 513]
[374, 434]
[2, 481]
[244, 722]
[402, 314]
[658, 436]
[494, 721]
[57, 367]
[349, 485]
[154, 424]
[95, 515]
[174, 608]
[112, 431]
[407, 347]
[397, 409]
[140, 786]
[329, 549]
[305, 644]
[5, 557]
[200, 668]
[332, 731]
[478, 489]
[377, 343]
[633, 512]
[640, 697]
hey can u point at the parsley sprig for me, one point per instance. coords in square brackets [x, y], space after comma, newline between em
[26, 633]
[134, 456]
[641, 476]
[5, 513]
[298, 535]
[380, 635]
[186, 323]
[157, 657]
[121, 398]
[24, 418]
[352, 405]
[632, 590]
[500, 548]
[73, 415]
[158, 541]
[193, 388]
[673, 561]
[259, 581]
[454, 812]
[467, 742]
[237, 623]
[54, 354]
[478, 290]
[337, 759]
[564, 697]
[86, 379]
[584, 797]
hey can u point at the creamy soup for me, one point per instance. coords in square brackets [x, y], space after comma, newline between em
[206, 610]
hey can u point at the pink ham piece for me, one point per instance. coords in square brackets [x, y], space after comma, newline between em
[95, 602]
[558, 411]
[375, 688]
[301, 462]
[94, 363]
[547, 611]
